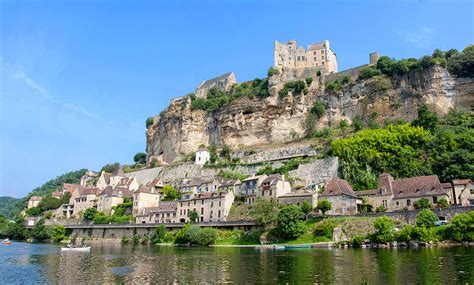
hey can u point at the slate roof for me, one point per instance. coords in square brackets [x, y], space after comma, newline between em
[147, 189]
[417, 187]
[338, 187]
[251, 178]
[117, 191]
[462, 181]
[155, 183]
[272, 179]
[167, 206]
[82, 190]
[209, 82]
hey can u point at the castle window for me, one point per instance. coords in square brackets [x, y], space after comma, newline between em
[298, 58]
[314, 58]
[314, 52]
[322, 57]
[289, 58]
[408, 202]
[322, 51]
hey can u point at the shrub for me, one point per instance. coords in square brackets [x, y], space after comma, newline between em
[325, 229]
[369, 72]
[289, 224]
[193, 216]
[379, 84]
[346, 79]
[306, 207]
[324, 206]
[384, 230]
[333, 86]
[206, 236]
[264, 212]
[272, 71]
[170, 193]
[425, 234]
[296, 87]
[100, 218]
[426, 218]
[462, 64]
[380, 209]
[191, 234]
[442, 203]
[34, 211]
[405, 234]
[149, 122]
[89, 214]
[318, 109]
[59, 233]
[159, 234]
[462, 226]
[357, 123]
[251, 237]
[422, 203]
[357, 241]
[40, 231]
[309, 80]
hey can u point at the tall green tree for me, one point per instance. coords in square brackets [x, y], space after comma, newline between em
[290, 225]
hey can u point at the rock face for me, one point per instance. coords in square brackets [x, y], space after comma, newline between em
[179, 131]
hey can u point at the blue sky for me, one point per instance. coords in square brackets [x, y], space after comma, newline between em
[79, 78]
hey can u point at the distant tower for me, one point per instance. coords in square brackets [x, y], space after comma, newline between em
[374, 57]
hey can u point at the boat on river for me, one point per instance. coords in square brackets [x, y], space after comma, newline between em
[83, 248]
[6, 241]
[292, 246]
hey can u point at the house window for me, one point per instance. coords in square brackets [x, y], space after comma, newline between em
[314, 53]
[384, 203]
[298, 58]
[382, 191]
[212, 204]
[202, 219]
[202, 202]
[202, 211]
[322, 57]
[472, 191]
[397, 203]
[194, 202]
[408, 202]
[435, 200]
[220, 203]
[471, 202]
[189, 204]
[219, 214]
[322, 51]
[270, 193]
[323, 62]
[314, 58]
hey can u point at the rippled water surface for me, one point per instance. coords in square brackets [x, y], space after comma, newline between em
[24, 263]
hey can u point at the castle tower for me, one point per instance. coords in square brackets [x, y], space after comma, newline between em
[374, 57]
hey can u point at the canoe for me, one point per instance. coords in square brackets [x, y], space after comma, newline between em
[6, 242]
[298, 246]
[76, 248]
[271, 247]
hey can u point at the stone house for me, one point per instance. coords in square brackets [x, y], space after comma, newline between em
[395, 195]
[165, 213]
[189, 187]
[317, 55]
[34, 201]
[223, 82]
[249, 188]
[88, 178]
[110, 197]
[56, 194]
[273, 187]
[103, 180]
[208, 185]
[297, 198]
[210, 206]
[202, 156]
[226, 185]
[82, 198]
[145, 197]
[144, 215]
[157, 185]
[129, 183]
[463, 192]
[343, 199]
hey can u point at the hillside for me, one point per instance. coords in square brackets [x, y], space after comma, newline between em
[46, 189]
[289, 105]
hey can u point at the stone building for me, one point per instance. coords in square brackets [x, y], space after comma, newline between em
[317, 55]
[223, 82]
[463, 192]
[297, 198]
[145, 197]
[210, 206]
[343, 199]
[273, 187]
[165, 213]
[395, 195]
[88, 178]
[249, 188]
[110, 197]
[202, 156]
[34, 201]
[82, 198]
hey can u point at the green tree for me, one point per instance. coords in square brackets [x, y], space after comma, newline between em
[384, 230]
[462, 64]
[307, 208]
[318, 109]
[462, 226]
[264, 212]
[59, 233]
[357, 123]
[40, 231]
[16, 230]
[149, 122]
[159, 234]
[368, 72]
[111, 168]
[422, 203]
[426, 119]
[140, 157]
[324, 206]
[272, 71]
[193, 216]
[49, 203]
[309, 80]
[89, 214]
[426, 218]
[226, 152]
[65, 198]
[289, 223]
[170, 193]
[33, 211]
[442, 203]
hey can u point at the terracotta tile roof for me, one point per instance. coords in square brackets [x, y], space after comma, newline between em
[298, 194]
[155, 183]
[69, 187]
[366, 193]
[338, 187]
[56, 194]
[446, 186]
[117, 191]
[417, 187]
[462, 181]
[125, 182]
[36, 198]
[271, 180]
[147, 189]
[167, 206]
[82, 190]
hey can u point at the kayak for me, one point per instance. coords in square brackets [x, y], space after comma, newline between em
[298, 246]
[272, 247]
[88, 248]
[6, 242]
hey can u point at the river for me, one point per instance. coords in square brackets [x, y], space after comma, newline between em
[26, 263]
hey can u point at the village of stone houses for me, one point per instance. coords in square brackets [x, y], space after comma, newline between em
[284, 142]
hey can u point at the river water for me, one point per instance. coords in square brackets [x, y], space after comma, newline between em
[25, 263]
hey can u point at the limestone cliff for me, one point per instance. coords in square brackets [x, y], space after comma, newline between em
[245, 122]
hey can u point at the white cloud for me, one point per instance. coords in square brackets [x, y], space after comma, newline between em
[420, 38]
[20, 75]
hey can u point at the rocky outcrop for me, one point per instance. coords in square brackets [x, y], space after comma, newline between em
[179, 131]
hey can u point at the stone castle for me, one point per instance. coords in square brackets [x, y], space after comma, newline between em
[317, 55]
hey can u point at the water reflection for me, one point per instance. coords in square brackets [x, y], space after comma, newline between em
[113, 263]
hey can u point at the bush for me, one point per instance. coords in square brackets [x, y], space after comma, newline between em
[426, 234]
[384, 230]
[324, 206]
[462, 64]
[306, 208]
[59, 233]
[357, 241]
[325, 229]
[333, 86]
[296, 87]
[405, 234]
[422, 203]
[369, 72]
[357, 123]
[346, 79]
[289, 223]
[309, 80]
[89, 214]
[40, 231]
[272, 71]
[426, 218]
[264, 212]
[34, 211]
[191, 234]
[462, 227]
[380, 209]
[251, 237]
[318, 109]
[206, 236]
[442, 203]
[149, 122]
[170, 193]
